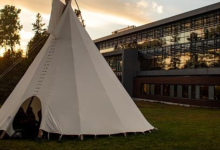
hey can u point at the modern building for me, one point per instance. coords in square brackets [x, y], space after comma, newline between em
[174, 60]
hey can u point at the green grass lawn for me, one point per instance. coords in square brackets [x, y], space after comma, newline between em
[180, 128]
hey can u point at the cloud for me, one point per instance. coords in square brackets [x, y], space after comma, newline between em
[117, 8]
[143, 4]
[104, 24]
[25, 37]
[157, 8]
[97, 6]
[41, 6]
[90, 22]
[154, 5]
[160, 9]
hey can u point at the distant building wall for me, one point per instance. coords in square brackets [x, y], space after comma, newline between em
[174, 59]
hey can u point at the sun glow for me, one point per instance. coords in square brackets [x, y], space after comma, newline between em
[105, 19]
[2, 50]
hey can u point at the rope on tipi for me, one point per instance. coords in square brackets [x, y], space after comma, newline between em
[79, 14]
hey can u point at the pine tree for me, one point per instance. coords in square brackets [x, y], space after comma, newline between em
[39, 39]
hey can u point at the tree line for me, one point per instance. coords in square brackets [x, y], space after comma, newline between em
[10, 28]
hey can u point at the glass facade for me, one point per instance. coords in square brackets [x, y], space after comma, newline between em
[115, 62]
[189, 43]
[183, 91]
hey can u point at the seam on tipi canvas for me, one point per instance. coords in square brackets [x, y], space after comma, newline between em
[125, 95]
[77, 24]
[102, 81]
[121, 88]
[80, 132]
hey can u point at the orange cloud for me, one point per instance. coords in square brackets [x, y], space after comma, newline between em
[117, 8]
[113, 7]
[41, 6]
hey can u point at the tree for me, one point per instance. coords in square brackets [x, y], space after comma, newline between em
[174, 62]
[175, 38]
[193, 37]
[39, 39]
[38, 25]
[11, 79]
[10, 27]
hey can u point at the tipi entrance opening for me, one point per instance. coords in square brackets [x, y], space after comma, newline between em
[28, 118]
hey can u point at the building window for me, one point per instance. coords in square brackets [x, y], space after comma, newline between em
[179, 91]
[166, 90]
[145, 88]
[115, 62]
[198, 96]
[189, 91]
[157, 89]
[217, 92]
[175, 90]
[193, 92]
[185, 91]
[152, 87]
[211, 92]
[182, 91]
[190, 43]
[172, 90]
[204, 92]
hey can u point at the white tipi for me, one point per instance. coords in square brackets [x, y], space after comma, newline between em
[78, 91]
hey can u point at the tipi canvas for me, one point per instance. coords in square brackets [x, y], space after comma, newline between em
[78, 92]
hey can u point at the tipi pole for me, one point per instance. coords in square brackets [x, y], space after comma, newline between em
[31, 101]
[81, 137]
[48, 136]
[40, 133]
[2, 135]
[80, 14]
[60, 137]
[125, 134]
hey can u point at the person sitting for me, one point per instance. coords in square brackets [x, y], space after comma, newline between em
[20, 119]
[30, 115]
[26, 123]
[34, 124]
[21, 122]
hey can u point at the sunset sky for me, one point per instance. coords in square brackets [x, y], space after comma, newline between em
[104, 16]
